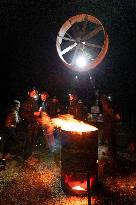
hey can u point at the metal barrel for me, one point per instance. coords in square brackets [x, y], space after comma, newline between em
[79, 155]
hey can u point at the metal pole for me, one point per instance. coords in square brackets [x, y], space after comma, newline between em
[96, 92]
[88, 188]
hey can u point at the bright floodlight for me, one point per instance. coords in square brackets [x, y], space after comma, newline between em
[81, 61]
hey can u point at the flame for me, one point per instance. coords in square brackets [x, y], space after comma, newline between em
[78, 183]
[68, 123]
[78, 188]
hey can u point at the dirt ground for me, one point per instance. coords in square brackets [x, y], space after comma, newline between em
[38, 181]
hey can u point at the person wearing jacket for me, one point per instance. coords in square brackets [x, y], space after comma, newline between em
[76, 107]
[47, 127]
[11, 121]
[29, 114]
[108, 125]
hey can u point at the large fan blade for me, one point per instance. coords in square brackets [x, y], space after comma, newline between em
[67, 39]
[92, 33]
[68, 49]
[92, 45]
[68, 35]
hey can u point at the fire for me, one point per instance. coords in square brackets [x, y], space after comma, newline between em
[78, 188]
[78, 182]
[68, 123]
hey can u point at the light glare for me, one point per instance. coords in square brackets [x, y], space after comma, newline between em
[81, 61]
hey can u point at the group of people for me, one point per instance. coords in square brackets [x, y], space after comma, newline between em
[30, 114]
[34, 115]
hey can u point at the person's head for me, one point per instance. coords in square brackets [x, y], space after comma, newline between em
[14, 105]
[105, 100]
[32, 92]
[80, 101]
[54, 99]
[44, 95]
[73, 97]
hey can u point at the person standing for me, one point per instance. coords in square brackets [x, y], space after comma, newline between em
[55, 107]
[29, 114]
[47, 127]
[11, 121]
[75, 107]
[108, 125]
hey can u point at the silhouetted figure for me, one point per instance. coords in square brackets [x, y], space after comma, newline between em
[30, 113]
[48, 129]
[108, 125]
[76, 107]
[11, 141]
[55, 107]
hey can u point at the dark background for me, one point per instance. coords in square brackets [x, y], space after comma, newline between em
[28, 31]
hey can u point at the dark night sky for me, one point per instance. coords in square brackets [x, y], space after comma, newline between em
[28, 31]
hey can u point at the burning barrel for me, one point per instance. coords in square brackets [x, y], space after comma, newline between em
[79, 154]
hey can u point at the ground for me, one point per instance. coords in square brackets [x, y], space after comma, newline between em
[38, 181]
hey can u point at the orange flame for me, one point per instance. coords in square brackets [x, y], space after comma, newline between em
[78, 188]
[79, 184]
[68, 123]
